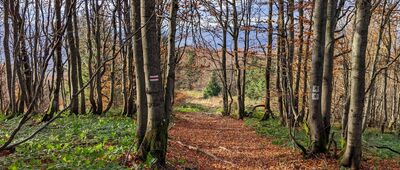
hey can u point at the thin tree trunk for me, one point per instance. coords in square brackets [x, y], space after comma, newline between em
[112, 74]
[371, 94]
[225, 90]
[79, 61]
[140, 78]
[54, 104]
[73, 53]
[170, 85]
[299, 57]
[278, 62]
[268, 111]
[304, 112]
[385, 82]
[131, 110]
[9, 72]
[90, 57]
[327, 77]
[97, 38]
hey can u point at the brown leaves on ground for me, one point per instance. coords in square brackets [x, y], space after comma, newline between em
[200, 141]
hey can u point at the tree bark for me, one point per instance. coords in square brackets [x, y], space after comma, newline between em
[79, 62]
[170, 85]
[315, 120]
[281, 47]
[327, 77]
[73, 53]
[155, 140]
[352, 155]
[54, 104]
[9, 72]
[268, 111]
[131, 107]
[140, 78]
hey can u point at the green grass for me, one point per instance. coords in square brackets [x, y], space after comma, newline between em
[280, 136]
[190, 107]
[83, 142]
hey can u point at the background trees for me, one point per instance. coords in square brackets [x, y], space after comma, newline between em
[53, 50]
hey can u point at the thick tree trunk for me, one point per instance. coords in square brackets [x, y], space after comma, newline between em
[352, 155]
[155, 140]
[315, 120]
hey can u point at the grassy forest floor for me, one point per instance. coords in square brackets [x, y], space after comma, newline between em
[199, 139]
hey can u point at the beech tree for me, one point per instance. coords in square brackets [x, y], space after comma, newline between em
[155, 139]
[317, 131]
[352, 155]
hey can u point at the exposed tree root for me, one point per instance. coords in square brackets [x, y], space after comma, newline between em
[203, 152]
[388, 148]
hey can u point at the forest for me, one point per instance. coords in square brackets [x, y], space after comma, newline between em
[199, 84]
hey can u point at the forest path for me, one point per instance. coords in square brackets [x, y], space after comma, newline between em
[201, 141]
[208, 141]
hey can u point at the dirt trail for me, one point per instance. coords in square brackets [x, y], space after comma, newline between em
[204, 141]
[200, 141]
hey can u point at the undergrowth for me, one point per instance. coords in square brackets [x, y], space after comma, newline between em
[280, 136]
[72, 142]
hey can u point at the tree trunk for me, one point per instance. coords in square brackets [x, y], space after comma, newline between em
[99, 61]
[279, 62]
[79, 61]
[73, 53]
[315, 120]
[371, 93]
[299, 57]
[9, 72]
[54, 104]
[112, 74]
[155, 140]
[90, 53]
[352, 155]
[131, 107]
[225, 89]
[268, 111]
[170, 85]
[327, 77]
[304, 112]
[238, 70]
[385, 83]
[140, 78]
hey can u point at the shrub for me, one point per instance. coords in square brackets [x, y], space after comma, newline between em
[212, 88]
[255, 83]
